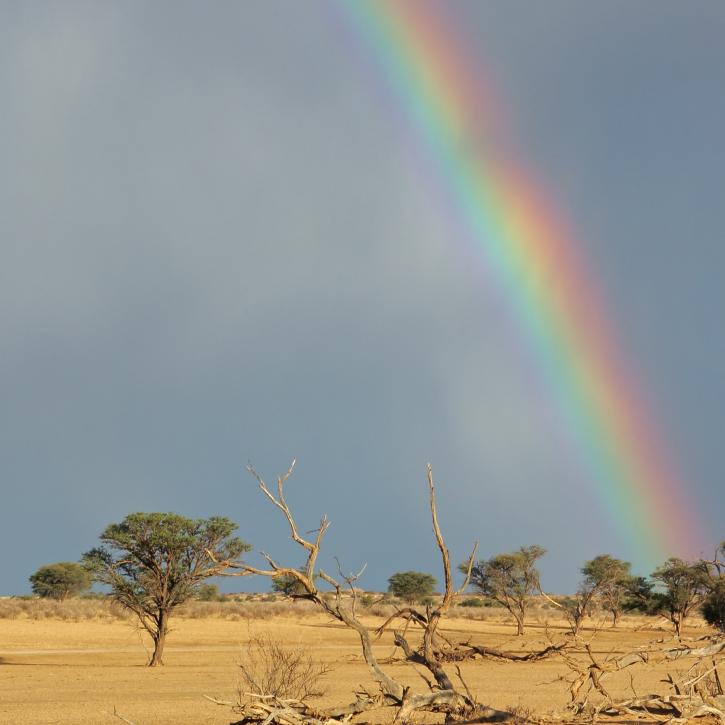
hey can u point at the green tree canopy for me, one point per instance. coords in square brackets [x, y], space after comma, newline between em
[288, 585]
[509, 579]
[208, 593]
[60, 581]
[155, 561]
[612, 579]
[685, 586]
[604, 569]
[713, 606]
[411, 586]
[603, 576]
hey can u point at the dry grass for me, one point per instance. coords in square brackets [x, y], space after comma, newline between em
[240, 608]
[236, 611]
[80, 609]
[71, 610]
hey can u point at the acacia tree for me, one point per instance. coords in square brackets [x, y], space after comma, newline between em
[602, 574]
[685, 587]
[618, 584]
[60, 581]
[153, 562]
[510, 579]
[639, 594]
[713, 607]
[411, 586]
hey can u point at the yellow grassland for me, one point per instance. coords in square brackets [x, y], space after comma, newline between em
[72, 663]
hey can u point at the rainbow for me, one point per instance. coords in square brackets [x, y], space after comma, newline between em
[534, 261]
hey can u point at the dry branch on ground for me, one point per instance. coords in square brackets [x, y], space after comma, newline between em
[695, 693]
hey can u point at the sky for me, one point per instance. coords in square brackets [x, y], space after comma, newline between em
[218, 247]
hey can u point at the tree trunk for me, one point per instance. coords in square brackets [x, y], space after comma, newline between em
[677, 620]
[615, 617]
[160, 639]
[519, 616]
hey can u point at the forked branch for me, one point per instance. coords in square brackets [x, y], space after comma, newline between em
[443, 696]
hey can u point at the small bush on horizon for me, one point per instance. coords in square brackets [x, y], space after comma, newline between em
[411, 586]
[60, 581]
[208, 593]
[473, 602]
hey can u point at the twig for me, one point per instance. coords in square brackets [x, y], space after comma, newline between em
[217, 701]
[121, 717]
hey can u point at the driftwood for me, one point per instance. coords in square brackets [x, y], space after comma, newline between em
[697, 693]
[442, 696]
[709, 650]
[466, 651]
[264, 708]
[447, 651]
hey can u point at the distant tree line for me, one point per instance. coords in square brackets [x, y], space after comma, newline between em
[674, 590]
[153, 562]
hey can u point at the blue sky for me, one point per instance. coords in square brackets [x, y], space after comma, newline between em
[218, 247]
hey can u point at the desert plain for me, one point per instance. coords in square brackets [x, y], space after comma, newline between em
[71, 667]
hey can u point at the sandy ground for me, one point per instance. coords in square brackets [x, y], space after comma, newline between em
[75, 673]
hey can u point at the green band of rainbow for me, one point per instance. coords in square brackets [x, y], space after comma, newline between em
[532, 257]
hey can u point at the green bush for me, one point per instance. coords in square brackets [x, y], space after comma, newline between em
[473, 602]
[60, 581]
[713, 608]
[411, 586]
[208, 593]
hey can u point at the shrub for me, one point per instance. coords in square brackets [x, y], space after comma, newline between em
[60, 581]
[411, 585]
[272, 668]
[208, 593]
[713, 608]
[473, 602]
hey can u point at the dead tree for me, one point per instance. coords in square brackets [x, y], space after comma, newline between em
[442, 696]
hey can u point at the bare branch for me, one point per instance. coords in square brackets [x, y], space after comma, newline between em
[121, 717]
[442, 697]
[549, 599]
[447, 577]
[712, 649]
[469, 569]
[217, 701]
